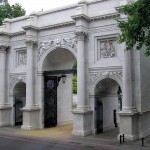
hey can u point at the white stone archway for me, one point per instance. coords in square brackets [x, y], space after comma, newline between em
[14, 79]
[47, 57]
[94, 79]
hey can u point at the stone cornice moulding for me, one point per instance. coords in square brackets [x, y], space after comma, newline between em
[4, 33]
[81, 17]
[105, 16]
[18, 33]
[58, 25]
[30, 27]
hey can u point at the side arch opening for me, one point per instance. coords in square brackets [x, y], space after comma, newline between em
[19, 94]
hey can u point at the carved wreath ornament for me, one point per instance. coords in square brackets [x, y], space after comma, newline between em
[46, 45]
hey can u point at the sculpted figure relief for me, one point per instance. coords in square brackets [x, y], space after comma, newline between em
[107, 49]
[58, 42]
[22, 59]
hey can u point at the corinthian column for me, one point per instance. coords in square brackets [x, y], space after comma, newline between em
[82, 114]
[3, 51]
[127, 82]
[30, 87]
[5, 109]
[81, 88]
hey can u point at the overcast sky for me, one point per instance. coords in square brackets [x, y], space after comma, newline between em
[38, 5]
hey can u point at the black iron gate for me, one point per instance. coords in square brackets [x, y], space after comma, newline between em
[99, 111]
[50, 101]
[18, 113]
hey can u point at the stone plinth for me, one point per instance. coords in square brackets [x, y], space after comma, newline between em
[30, 118]
[82, 122]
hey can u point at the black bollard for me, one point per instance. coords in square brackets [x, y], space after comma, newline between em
[120, 139]
[123, 137]
[142, 141]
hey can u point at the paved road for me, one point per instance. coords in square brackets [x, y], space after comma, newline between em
[15, 143]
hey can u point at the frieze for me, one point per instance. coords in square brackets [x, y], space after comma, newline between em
[58, 42]
[95, 76]
[16, 78]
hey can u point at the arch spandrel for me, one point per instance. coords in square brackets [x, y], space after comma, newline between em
[46, 47]
[14, 80]
[96, 77]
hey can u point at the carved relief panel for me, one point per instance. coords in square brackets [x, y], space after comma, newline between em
[106, 48]
[21, 58]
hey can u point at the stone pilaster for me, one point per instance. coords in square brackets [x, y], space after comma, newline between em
[5, 109]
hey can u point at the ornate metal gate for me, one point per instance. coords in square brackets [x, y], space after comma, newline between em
[18, 113]
[99, 111]
[50, 101]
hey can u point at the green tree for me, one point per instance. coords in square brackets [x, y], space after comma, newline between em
[74, 82]
[74, 79]
[10, 11]
[135, 31]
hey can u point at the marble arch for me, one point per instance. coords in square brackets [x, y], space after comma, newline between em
[88, 31]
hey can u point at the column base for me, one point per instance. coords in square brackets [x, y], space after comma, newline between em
[31, 118]
[129, 125]
[82, 122]
[5, 115]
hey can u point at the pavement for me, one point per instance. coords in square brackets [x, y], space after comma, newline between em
[62, 134]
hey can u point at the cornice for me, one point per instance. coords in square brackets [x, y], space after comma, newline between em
[58, 25]
[30, 27]
[106, 16]
[18, 33]
[4, 33]
[95, 18]
[81, 17]
[62, 24]
[12, 34]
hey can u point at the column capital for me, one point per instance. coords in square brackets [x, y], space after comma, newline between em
[31, 43]
[81, 35]
[4, 48]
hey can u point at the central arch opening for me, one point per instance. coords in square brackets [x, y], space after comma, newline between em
[108, 103]
[58, 95]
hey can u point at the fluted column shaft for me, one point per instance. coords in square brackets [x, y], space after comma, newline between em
[3, 51]
[81, 98]
[30, 85]
[127, 82]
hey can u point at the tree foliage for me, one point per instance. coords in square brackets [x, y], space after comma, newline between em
[74, 82]
[135, 31]
[74, 79]
[10, 11]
